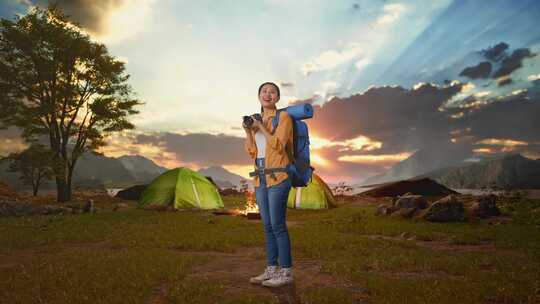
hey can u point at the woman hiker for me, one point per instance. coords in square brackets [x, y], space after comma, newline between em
[271, 148]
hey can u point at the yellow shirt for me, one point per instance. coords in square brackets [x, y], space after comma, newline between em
[279, 147]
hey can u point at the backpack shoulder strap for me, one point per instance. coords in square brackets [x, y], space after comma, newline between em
[275, 120]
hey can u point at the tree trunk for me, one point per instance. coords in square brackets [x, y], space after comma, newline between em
[68, 184]
[36, 187]
[61, 190]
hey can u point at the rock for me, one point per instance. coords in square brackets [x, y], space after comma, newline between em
[485, 206]
[47, 210]
[405, 235]
[422, 186]
[120, 206]
[447, 209]
[384, 209]
[25, 209]
[412, 201]
[15, 209]
[89, 206]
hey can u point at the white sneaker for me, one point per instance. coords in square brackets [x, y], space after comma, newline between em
[284, 276]
[269, 273]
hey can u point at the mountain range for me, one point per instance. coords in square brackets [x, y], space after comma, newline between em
[222, 177]
[505, 171]
[98, 171]
[513, 171]
[422, 161]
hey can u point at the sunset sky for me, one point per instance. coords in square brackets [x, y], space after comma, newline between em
[386, 78]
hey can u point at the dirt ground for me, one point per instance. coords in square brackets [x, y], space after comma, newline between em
[233, 270]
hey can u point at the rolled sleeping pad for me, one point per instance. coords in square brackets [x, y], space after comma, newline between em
[301, 111]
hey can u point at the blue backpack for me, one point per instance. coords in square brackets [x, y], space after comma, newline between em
[300, 169]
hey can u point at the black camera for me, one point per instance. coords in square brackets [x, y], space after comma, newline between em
[248, 120]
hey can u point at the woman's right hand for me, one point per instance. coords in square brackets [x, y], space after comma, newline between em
[253, 128]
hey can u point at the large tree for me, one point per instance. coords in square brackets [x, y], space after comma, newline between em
[58, 83]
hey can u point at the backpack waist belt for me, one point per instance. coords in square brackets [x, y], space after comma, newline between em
[270, 171]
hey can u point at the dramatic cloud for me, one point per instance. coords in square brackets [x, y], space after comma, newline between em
[309, 100]
[331, 59]
[91, 14]
[496, 52]
[498, 56]
[534, 78]
[513, 62]
[387, 124]
[513, 117]
[401, 119]
[201, 149]
[110, 20]
[482, 70]
[505, 80]
[391, 13]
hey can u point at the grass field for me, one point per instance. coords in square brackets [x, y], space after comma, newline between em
[341, 255]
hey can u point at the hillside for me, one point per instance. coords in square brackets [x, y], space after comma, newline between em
[422, 161]
[513, 171]
[98, 171]
[222, 177]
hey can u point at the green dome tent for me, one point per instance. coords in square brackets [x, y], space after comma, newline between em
[181, 188]
[316, 195]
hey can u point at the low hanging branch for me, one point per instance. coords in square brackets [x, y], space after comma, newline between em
[56, 82]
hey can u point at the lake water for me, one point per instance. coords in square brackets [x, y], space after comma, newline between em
[113, 191]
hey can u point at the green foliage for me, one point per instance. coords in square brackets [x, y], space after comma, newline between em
[35, 164]
[58, 83]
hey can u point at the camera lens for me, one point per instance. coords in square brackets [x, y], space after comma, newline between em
[248, 121]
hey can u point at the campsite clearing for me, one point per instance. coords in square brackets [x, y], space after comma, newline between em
[340, 255]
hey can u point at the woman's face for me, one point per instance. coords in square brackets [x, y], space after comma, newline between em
[268, 96]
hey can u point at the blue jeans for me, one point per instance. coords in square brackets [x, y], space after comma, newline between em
[272, 202]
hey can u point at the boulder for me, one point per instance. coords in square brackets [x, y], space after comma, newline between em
[48, 210]
[7, 192]
[485, 206]
[419, 186]
[412, 201]
[15, 209]
[24, 209]
[447, 209]
[384, 209]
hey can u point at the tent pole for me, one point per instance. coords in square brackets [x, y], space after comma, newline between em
[196, 193]
[298, 197]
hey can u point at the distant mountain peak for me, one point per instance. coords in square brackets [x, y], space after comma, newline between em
[222, 176]
[215, 167]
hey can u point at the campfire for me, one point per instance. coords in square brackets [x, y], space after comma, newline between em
[252, 209]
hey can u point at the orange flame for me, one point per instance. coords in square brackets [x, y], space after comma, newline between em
[251, 203]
